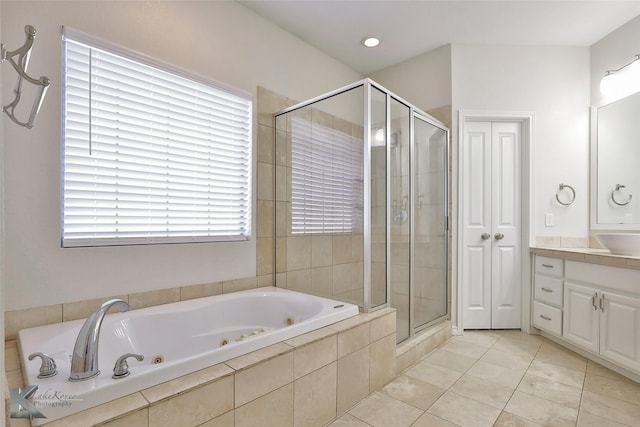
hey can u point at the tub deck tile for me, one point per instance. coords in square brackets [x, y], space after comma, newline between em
[350, 323]
[310, 337]
[258, 356]
[263, 378]
[102, 413]
[194, 407]
[188, 382]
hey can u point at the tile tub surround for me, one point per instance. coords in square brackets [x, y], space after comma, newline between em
[304, 381]
[39, 316]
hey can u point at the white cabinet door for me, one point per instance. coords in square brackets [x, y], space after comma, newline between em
[581, 322]
[620, 329]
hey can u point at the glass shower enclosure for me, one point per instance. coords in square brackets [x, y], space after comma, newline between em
[361, 208]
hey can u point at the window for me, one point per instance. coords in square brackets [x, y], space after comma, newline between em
[151, 154]
[326, 180]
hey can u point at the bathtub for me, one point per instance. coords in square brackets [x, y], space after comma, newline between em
[175, 339]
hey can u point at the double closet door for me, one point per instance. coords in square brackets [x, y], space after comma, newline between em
[491, 205]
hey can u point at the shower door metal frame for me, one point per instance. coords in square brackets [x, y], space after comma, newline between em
[417, 114]
[414, 113]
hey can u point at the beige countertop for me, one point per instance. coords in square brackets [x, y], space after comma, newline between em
[599, 256]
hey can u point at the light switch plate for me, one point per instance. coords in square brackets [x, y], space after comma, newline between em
[548, 220]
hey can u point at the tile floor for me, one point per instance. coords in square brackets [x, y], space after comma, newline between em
[501, 378]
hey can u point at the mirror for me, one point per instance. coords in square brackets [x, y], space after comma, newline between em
[615, 165]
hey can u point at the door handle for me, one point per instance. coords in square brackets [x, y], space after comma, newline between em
[602, 303]
[499, 236]
[485, 236]
[593, 301]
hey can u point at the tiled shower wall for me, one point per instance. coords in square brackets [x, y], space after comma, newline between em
[325, 264]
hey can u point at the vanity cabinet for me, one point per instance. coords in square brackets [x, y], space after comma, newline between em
[548, 294]
[602, 311]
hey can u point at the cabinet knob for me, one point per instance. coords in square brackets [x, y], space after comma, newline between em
[485, 236]
[499, 236]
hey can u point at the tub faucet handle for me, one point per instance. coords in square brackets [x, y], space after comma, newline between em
[48, 367]
[121, 368]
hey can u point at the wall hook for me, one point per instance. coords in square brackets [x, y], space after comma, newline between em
[571, 199]
[19, 59]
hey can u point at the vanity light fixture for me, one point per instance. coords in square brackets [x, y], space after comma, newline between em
[623, 80]
[370, 41]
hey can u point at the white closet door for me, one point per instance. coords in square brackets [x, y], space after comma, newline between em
[491, 225]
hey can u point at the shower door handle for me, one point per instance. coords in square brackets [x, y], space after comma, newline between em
[499, 236]
[485, 236]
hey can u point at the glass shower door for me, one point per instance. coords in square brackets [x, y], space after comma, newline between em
[399, 266]
[429, 216]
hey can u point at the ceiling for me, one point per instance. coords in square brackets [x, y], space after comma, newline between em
[410, 28]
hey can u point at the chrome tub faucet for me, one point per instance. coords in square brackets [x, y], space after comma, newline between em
[84, 361]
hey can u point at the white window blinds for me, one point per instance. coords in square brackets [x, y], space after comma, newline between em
[150, 155]
[326, 180]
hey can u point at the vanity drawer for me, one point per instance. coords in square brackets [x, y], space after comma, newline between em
[549, 266]
[547, 318]
[548, 290]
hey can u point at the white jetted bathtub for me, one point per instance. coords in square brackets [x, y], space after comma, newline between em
[175, 339]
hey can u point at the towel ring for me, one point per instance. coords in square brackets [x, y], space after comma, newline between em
[573, 194]
[613, 198]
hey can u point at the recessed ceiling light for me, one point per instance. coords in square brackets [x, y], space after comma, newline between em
[370, 41]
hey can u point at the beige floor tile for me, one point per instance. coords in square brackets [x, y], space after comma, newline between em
[482, 338]
[413, 391]
[507, 419]
[430, 420]
[556, 373]
[597, 369]
[506, 360]
[541, 411]
[552, 391]
[586, 419]
[447, 359]
[482, 390]
[623, 390]
[348, 420]
[432, 374]
[555, 354]
[464, 411]
[612, 409]
[501, 375]
[518, 344]
[469, 349]
[380, 410]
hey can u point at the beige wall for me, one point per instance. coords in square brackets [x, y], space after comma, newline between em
[425, 80]
[223, 41]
